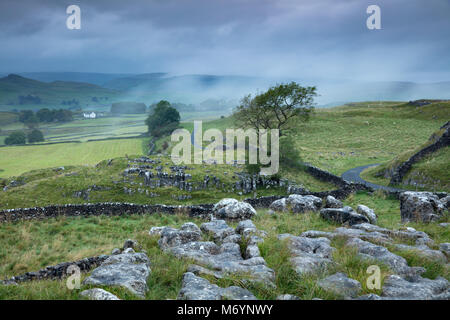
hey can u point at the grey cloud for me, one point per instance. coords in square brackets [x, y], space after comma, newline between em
[278, 38]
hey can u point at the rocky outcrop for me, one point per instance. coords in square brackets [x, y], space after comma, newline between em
[297, 204]
[420, 207]
[368, 213]
[373, 233]
[341, 285]
[371, 251]
[345, 215]
[222, 256]
[197, 288]
[332, 202]
[231, 209]
[415, 288]
[424, 251]
[309, 255]
[127, 270]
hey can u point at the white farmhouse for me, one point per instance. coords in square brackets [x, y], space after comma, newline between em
[88, 115]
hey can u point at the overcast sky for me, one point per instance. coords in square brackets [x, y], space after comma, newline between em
[273, 38]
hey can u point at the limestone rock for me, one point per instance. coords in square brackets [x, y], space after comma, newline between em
[345, 215]
[197, 288]
[332, 202]
[218, 229]
[172, 237]
[309, 255]
[445, 248]
[287, 297]
[417, 288]
[98, 294]
[279, 205]
[424, 251]
[379, 253]
[301, 204]
[341, 285]
[368, 213]
[233, 210]
[128, 270]
[420, 207]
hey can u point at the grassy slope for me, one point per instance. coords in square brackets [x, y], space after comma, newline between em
[47, 186]
[341, 138]
[432, 172]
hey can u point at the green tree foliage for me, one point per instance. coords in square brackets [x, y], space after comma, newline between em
[289, 154]
[17, 137]
[26, 115]
[163, 120]
[35, 136]
[278, 108]
[45, 115]
[63, 115]
[281, 107]
[31, 120]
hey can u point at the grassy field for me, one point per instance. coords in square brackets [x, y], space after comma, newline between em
[31, 245]
[19, 159]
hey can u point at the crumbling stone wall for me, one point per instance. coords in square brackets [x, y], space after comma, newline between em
[59, 271]
[401, 171]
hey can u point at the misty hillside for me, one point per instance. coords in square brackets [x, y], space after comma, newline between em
[17, 91]
[88, 77]
[196, 89]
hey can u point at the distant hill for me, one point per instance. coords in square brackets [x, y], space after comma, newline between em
[21, 93]
[197, 88]
[88, 77]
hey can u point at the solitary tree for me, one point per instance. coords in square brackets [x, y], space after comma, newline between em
[35, 136]
[163, 120]
[277, 108]
[17, 137]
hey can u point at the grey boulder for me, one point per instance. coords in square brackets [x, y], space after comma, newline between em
[417, 288]
[309, 255]
[232, 209]
[98, 294]
[127, 270]
[218, 229]
[332, 202]
[341, 285]
[344, 215]
[420, 207]
[368, 213]
[197, 288]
